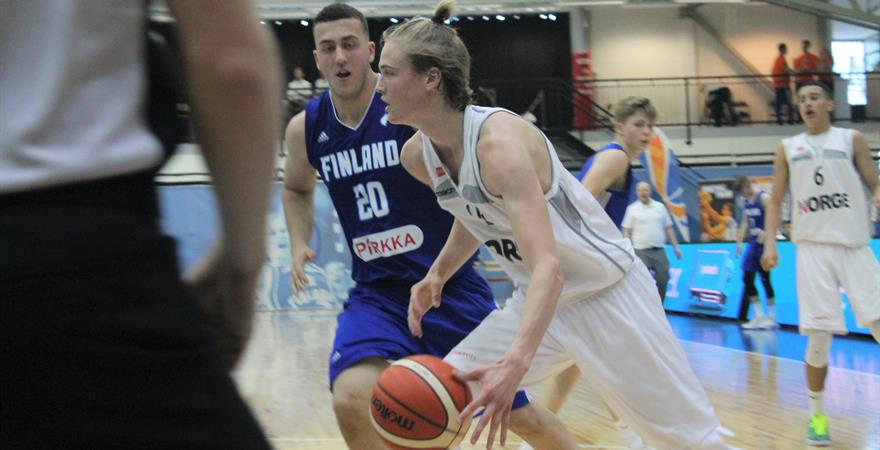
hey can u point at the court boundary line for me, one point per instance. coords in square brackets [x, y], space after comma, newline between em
[775, 357]
[511, 442]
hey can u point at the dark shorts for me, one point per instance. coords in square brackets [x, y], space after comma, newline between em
[751, 261]
[103, 345]
[373, 324]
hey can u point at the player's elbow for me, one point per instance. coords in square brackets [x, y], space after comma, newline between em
[551, 270]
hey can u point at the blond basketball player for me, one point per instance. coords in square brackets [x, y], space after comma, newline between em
[582, 295]
[827, 170]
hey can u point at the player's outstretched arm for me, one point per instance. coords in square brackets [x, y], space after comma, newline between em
[298, 199]
[865, 165]
[231, 70]
[770, 258]
[509, 170]
[608, 167]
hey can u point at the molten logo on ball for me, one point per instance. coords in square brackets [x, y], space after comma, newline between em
[416, 404]
[392, 416]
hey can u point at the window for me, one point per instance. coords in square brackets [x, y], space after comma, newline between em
[849, 62]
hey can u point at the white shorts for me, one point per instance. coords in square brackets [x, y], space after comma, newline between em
[822, 269]
[622, 343]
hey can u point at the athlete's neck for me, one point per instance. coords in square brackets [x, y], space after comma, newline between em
[632, 153]
[818, 128]
[445, 128]
[351, 110]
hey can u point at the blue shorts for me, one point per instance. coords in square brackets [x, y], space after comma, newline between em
[751, 261]
[373, 323]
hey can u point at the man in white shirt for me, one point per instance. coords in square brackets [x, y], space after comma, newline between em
[643, 224]
[299, 90]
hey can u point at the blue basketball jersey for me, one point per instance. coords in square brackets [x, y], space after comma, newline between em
[392, 222]
[754, 213]
[615, 202]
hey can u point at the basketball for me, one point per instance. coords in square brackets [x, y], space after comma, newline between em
[416, 402]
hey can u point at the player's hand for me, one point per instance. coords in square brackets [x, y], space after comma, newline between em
[677, 252]
[498, 384]
[739, 249]
[423, 296]
[769, 259]
[226, 296]
[298, 268]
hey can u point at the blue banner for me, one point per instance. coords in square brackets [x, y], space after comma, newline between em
[708, 280]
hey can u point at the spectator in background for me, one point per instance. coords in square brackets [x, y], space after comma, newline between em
[321, 85]
[806, 65]
[644, 223]
[299, 90]
[721, 109]
[782, 85]
[826, 69]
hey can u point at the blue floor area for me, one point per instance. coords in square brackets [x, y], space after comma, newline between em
[854, 352]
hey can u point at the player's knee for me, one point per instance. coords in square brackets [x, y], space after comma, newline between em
[351, 407]
[818, 344]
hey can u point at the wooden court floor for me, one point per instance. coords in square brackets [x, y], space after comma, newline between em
[760, 398]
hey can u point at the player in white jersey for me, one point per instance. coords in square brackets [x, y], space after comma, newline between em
[827, 170]
[582, 296]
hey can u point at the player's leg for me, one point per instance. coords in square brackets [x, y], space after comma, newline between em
[650, 262]
[559, 388]
[750, 294]
[819, 318]
[626, 349]
[861, 280]
[352, 390]
[367, 335]
[770, 317]
[488, 342]
[661, 271]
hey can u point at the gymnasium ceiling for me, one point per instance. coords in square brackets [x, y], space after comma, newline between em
[864, 13]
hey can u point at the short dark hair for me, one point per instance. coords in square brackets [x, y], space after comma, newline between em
[806, 42]
[339, 11]
[782, 46]
[740, 181]
[822, 85]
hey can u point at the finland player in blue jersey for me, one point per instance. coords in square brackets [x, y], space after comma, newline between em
[752, 224]
[394, 227]
[608, 176]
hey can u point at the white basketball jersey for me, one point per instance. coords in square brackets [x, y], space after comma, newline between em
[592, 251]
[829, 202]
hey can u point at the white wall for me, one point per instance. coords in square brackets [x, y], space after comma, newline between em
[628, 42]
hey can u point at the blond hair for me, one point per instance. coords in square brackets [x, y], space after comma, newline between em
[627, 107]
[430, 43]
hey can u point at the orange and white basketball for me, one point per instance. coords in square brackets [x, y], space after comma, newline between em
[416, 402]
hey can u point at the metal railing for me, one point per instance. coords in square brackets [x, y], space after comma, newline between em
[680, 101]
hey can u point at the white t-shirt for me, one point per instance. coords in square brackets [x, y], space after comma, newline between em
[648, 223]
[321, 85]
[299, 90]
[72, 93]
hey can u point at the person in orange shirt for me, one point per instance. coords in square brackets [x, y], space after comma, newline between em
[782, 86]
[805, 66]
